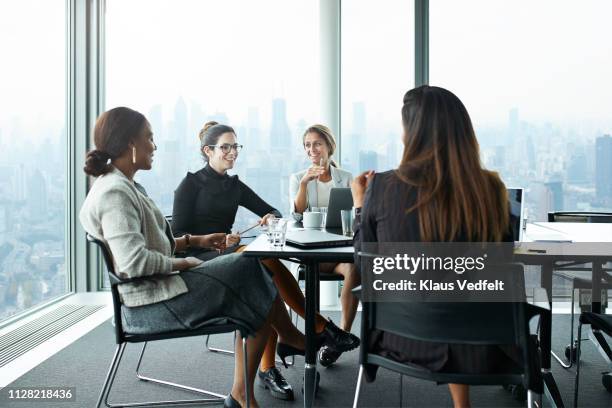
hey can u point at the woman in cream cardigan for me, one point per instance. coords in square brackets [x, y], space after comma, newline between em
[310, 188]
[181, 292]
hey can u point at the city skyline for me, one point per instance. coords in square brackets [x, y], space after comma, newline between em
[558, 167]
[538, 96]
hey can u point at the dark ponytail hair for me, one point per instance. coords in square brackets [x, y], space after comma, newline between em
[210, 134]
[114, 131]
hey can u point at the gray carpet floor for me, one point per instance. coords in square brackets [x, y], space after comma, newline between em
[84, 365]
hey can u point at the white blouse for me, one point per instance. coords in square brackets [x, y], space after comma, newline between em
[323, 190]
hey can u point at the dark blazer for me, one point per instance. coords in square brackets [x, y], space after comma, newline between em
[206, 202]
[383, 219]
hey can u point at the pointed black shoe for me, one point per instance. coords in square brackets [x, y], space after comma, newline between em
[337, 339]
[230, 402]
[274, 381]
[285, 350]
[327, 356]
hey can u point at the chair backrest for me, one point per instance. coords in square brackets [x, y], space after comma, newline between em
[475, 323]
[469, 322]
[114, 281]
[580, 216]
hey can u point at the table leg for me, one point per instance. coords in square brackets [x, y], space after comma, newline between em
[310, 366]
[546, 322]
[596, 337]
[550, 386]
[596, 289]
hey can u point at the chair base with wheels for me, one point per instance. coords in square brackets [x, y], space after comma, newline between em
[580, 284]
[600, 323]
[570, 271]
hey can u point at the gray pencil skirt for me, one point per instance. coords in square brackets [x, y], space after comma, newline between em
[228, 289]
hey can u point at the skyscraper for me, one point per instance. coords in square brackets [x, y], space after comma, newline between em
[280, 136]
[603, 170]
[556, 195]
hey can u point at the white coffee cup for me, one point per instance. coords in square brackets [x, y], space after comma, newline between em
[312, 219]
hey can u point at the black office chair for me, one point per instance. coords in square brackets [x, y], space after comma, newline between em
[599, 323]
[573, 274]
[497, 323]
[122, 338]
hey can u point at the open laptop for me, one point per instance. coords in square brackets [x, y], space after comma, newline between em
[516, 199]
[340, 198]
[312, 238]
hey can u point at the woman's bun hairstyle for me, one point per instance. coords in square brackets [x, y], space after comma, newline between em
[205, 128]
[115, 129]
[96, 163]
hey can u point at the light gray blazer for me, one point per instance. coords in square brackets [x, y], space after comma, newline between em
[340, 178]
[137, 235]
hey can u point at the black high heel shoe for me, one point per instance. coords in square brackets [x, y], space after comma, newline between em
[230, 402]
[285, 350]
[337, 339]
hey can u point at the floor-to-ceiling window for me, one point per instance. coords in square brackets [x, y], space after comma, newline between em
[251, 65]
[33, 151]
[377, 69]
[535, 77]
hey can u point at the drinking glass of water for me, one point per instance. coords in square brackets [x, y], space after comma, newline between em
[347, 222]
[323, 211]
[277, 232]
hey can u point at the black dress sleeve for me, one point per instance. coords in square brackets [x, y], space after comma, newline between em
[254, 203]
[183, 209]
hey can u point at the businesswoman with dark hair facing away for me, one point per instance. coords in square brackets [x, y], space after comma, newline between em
[206, 202]
[182, 292]
[311, 188]
[439, 193]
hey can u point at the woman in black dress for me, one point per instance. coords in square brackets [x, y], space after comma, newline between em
[439, 193]
[208, 200]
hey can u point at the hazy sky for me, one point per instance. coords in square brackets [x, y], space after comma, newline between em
[33, 67]
[227, 55]
[549, 58]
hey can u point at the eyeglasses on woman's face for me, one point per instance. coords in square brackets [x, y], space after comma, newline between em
[226, 147]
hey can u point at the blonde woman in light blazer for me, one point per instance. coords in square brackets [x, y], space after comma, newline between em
[310, 188]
